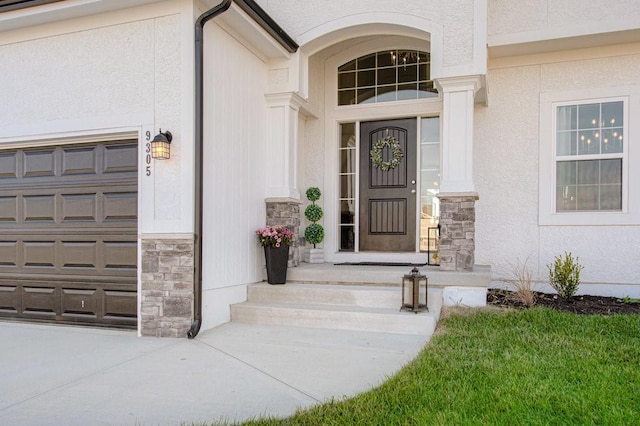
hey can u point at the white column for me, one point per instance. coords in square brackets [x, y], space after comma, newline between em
[457, 132]
[282, 118]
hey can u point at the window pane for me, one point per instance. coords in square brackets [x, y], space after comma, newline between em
[427, 90]
[612, 114]
[407, 73]
[407, 91]
[566, 173]
[588, 172]
[346, 97]
[567, 118]
[347, 135]
[347, 161]
[366, 95]
[611, 197]
[424, 72]
[386, 58]
[387, 71]
[387, 76]
[367, 61]
[588, 142]
[611, 171]
[430, 130]
[347, 188]
[588, 116]
[612, 140]
[430, 153]
[366, 78]
[349, 66]
[347, 80]
[566, 143]
[347, 211]
[347, 238]
[565, 198]
[587, 197]
[386, 93]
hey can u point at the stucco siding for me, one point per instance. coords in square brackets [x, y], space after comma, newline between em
[560, 16]
[508, 178]
[80, 74]
[456, 17]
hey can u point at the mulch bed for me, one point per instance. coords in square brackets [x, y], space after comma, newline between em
[598, 305]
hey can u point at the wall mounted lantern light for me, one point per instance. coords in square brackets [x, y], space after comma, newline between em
[161, 145]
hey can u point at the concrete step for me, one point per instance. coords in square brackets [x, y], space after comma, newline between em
[336, 317]
[333, 306]
[338, 295]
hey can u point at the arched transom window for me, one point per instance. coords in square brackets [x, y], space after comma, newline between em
[390, 75]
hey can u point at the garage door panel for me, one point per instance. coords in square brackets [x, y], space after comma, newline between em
[80, 302]
[9, 209]
[8, 253]
[121, 158]
[120, 206]
[77, 161]
[8, 165]
[79, 207]
[120, 304]
[79, 254]
[39, 163]
[39, 208]
[39, 299]
[120, 255]
[9, 301]
[39, 254]
[68, 233]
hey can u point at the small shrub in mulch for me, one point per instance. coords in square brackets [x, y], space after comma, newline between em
[599, 305]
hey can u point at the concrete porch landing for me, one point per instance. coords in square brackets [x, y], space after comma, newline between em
[359, 298]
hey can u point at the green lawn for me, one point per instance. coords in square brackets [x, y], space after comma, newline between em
[533, 367]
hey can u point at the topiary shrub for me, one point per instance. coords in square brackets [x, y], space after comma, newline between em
[314, 234]
[564, 277]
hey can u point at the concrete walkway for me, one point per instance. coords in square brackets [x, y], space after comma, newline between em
[54, 375]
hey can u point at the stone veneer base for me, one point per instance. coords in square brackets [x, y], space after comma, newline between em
[457, 231]
[286, 212]
[167, 286]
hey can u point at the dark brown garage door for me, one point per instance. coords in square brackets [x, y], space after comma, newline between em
[68, 232]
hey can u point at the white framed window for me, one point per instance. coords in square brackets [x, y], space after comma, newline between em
[588, 167]
[590, 144]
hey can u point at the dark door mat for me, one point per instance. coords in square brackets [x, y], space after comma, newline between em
[379, 264]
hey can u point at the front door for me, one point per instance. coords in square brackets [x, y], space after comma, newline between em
[388, 179]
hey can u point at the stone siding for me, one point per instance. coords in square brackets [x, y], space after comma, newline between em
[167, 287]
[286, 212]
[457, 231]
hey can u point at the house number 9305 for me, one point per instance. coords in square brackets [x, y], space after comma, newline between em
[147, 153]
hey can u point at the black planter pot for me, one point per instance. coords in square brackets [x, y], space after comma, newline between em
[277, 259]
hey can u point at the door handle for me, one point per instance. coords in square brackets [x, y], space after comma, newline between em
[413, 182]
[413, 191]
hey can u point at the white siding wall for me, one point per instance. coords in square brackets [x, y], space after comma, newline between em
[506, 171]
[234, 185]
[109, 73]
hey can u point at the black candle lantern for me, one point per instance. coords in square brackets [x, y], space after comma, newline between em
[412, 281]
